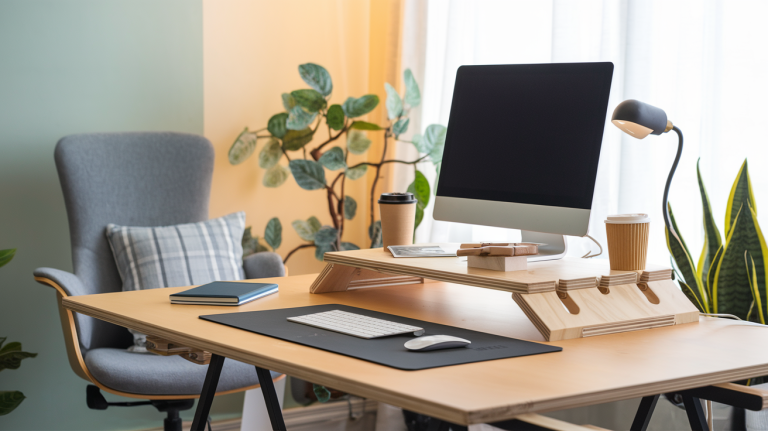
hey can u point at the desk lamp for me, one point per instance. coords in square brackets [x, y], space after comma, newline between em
[638, 119]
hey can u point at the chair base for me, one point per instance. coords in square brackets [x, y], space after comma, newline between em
[172, 422]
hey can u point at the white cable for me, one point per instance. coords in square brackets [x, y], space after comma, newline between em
[588, 255]
[728, 316]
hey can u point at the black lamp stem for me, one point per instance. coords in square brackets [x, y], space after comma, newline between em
[667, 221]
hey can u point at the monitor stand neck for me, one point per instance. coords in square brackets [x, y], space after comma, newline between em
[555, 247]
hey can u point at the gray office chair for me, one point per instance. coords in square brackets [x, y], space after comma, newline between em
[134, 179]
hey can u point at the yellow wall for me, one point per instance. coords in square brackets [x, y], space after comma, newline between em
[251, 52]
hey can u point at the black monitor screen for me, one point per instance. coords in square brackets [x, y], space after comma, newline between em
[528, 133]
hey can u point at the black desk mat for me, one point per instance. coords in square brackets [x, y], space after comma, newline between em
[387, 351]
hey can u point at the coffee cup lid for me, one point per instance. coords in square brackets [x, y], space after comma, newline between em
[628, 219]
[397, 198]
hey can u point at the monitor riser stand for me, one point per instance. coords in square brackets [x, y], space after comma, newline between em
[555, 245]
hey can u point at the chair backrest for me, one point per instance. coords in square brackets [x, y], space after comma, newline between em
[131, 179]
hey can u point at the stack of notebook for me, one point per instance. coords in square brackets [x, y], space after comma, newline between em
[224, 293]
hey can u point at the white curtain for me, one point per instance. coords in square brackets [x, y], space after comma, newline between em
[703, 62]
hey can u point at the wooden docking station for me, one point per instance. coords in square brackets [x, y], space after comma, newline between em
[566, 298]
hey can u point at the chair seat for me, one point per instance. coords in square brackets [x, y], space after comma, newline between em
[149, 374]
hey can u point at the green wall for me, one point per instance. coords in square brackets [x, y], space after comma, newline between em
[70, 67]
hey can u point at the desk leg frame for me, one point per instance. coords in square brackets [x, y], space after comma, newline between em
[209, 391]
[270, 399]
[644, 413]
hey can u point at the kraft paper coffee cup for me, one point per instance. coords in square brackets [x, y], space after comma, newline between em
[627, 240]
[398, 215]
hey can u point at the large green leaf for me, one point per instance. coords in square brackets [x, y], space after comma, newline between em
[275, 176]
[273, 233]
[9, 400]
[307, 229]
[11, 356]
[394, 103]
[374, 233]
[349, 246]
[333, 159]
[400, 127]
[5, 257]
[321, 392]
[277, 125]
[251, 244]
[299, 118]
[732, 292]
[320, 250]
[712, 239]
[309, 175]
[243, 147]
[420, 189]
[412, 93]
[270, 154]
[418, 218]
[357, 172]
[355, 107]
[434, 139]
[310, 100]
[741, 193]
[288, 101]
[297, 139]
[364, 125]
[350, 207]
[316, 77]
[679, 251]
[357, 142]
[335, 117]
[326, 235]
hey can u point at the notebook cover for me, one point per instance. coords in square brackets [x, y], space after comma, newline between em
[225, 289]
[387, 351]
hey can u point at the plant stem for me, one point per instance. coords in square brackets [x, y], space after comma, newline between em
[316, 152]
[341, 214]
[290, 253]
[331, 208]
[378, 170]
[420, 159]
[286, 154]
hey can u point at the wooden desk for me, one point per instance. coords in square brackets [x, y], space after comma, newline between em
[588, 371]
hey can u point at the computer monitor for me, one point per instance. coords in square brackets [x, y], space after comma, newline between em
[523, 145]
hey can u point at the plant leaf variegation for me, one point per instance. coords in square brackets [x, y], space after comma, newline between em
[307, 114]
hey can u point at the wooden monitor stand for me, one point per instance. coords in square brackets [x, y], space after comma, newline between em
[566, 298]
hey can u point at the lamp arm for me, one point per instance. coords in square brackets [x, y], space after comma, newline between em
[667, 220]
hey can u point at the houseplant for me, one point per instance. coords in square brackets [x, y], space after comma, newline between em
[289, 134]
[10, 356]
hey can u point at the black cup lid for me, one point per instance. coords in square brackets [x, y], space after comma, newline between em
[397, 198]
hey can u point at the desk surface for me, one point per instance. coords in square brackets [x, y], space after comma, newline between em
[587, 371]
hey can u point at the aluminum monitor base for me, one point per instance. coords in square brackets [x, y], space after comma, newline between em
[555, 246]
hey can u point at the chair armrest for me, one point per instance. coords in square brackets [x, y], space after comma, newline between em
[746, 397]
[263, 265]
[66, 283]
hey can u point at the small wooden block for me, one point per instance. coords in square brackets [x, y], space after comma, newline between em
[162, 347]
[498, 263]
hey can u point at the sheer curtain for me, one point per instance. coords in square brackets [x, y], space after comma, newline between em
[703, 62]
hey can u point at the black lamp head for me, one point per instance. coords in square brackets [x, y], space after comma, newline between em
[639, 119]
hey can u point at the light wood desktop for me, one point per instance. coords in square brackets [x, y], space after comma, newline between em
[588, 371]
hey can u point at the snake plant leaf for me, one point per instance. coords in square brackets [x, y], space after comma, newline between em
[299, 119]
[394, 102]
[400, 127]
[679, 251]
[357, 142]
[11, 356]
[356, 172]
[741, 193]
[243, 147]
[317, 77]
[270, 154]
[356, 107]
[275, 176]
[9, 400]
[364, 125]
[296, 139]
[288, 101]
[412, 93]
[350, 207]
[691, 295]
[307, 229]
[5, 257]
[326, 235]
[277, 125]
[273, 233]
[757, 301]
[311, 100]
[309, 175]
[320, 250]
[710, 281]
[732, 292]
[348, 246]
[712, 239]
[335, 117]
[333, 159]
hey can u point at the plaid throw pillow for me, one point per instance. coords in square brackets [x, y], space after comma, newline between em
[180, 255]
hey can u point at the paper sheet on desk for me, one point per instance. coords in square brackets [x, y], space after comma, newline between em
[421, 251]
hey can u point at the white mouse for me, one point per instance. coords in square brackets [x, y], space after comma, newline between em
[435, 342]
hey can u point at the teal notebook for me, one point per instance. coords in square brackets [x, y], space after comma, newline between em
[224, 293]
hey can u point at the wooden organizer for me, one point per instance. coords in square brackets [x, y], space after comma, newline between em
[566, 298]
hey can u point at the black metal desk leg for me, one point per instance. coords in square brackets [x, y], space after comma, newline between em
[270, 399]
[209, 391]
[644, 413]
[695, 413]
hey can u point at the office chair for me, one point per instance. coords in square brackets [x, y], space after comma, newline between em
[135, 179]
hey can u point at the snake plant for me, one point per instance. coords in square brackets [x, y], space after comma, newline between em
[730, 276]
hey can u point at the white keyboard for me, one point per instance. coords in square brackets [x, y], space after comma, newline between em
[355, 324]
